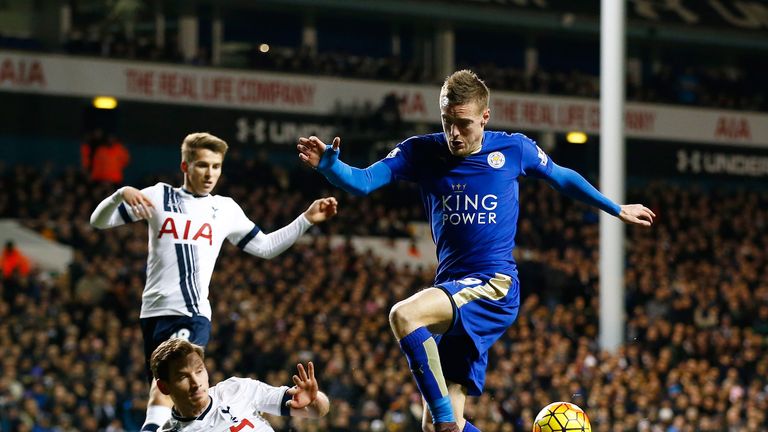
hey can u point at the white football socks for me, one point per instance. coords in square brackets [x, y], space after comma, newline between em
[157, 415]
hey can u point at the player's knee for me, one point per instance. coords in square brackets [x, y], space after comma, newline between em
[400, 320]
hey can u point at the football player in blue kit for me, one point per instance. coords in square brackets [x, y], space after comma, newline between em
[468, 178]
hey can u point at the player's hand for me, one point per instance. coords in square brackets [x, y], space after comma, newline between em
[311, 149]
[636, 214]
[141, 206]
[321, 210]
[304, 392]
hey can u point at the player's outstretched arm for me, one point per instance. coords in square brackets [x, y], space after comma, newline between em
[325, 159]
[107, 214]
[273, 244]
[575, 186]
[636, 214]
[306, 398]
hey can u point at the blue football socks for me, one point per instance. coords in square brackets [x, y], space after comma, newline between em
[420, 349]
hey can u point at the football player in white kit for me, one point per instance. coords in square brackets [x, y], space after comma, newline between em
[187, 226]
[233, 405]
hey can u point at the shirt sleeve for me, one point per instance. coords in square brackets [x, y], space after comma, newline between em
[577, 187]
[253, 395]
[264, 397]
[112, 211]
[353, 180]
[533, 160]
[273, 244]
[400, 160]
[250, 238]
[242, 229]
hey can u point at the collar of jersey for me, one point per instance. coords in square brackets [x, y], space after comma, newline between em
[194, 195]
[178, 417]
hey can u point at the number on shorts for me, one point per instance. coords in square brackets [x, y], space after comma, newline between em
[181, 334]
[470, 281]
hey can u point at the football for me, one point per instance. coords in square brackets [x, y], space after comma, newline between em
[561, 417]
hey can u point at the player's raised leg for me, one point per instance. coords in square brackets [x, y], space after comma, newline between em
[156, 330]
[413, 321]
[158, 409]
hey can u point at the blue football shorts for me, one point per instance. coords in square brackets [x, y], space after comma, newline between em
[156, 330]
[484, 307]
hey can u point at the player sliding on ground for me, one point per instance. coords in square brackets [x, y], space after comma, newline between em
[469, 184]
[235, 404]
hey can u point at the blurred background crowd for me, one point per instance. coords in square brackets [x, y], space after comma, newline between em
[697, 312]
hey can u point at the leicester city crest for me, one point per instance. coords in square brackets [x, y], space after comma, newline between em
[496, 159]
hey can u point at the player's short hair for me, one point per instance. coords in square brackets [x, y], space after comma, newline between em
[201, 140]
[169, 351]
[463, 87]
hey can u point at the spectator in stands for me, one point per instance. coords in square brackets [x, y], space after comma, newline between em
[59, 352]
[104, 157]
[387, 116]
[13, 262]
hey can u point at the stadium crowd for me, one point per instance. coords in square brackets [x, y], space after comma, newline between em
[696, 356]
[691, 83]
[684, 80]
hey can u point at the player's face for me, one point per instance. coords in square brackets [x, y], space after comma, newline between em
[188, 385]
[202, 174]
[463, 126]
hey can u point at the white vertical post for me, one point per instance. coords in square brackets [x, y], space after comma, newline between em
[65, 21]
[217, 36]
[159, 24]
[612, 176]
[309, 39]
[188, 32]
[531, 60]
[444, 52]
[395, 42]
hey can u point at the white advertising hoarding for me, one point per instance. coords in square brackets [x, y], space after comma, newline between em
[306, 94]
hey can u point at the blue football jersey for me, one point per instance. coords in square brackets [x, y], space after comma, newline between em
[472, 202]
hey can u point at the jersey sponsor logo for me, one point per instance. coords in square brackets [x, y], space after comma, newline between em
[458, 187]
[243, 424]
[466, 209]
[496, 159]
[542, 156]
[393, 153]
[169, 228]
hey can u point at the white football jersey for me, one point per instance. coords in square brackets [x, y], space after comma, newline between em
[185, 237]
[235, 407]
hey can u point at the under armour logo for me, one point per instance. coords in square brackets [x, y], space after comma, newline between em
[688, 161]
